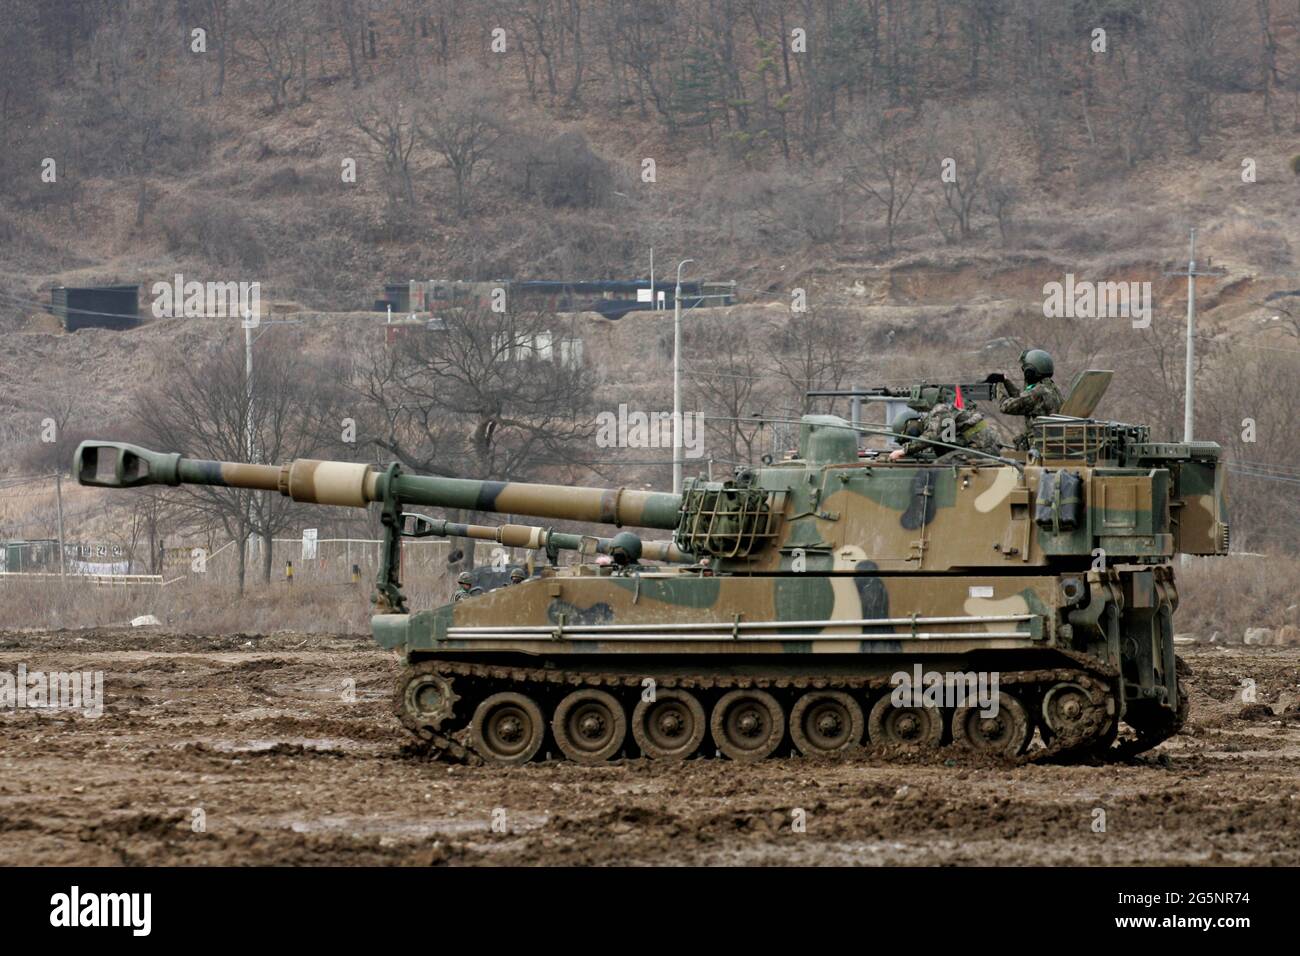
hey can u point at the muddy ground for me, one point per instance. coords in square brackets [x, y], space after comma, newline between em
[280, 749]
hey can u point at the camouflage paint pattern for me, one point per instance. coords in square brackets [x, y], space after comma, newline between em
[532, 537]
[690, 613]
[829, 558]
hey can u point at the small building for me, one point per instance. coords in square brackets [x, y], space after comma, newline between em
[41, 554]
[397, 295]
[99, 307]
[611, 298]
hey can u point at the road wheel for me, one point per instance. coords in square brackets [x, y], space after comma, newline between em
[1006, 732]
[747, 725]
[589, 726]
[670, 727]
[507, 729]
[906, 726]
[825, 722]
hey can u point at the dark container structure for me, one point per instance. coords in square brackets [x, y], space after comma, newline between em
[98, 307]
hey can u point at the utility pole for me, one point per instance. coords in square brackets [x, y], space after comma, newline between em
[677, 381]
[249, 324]
[253, 322]
[58, 494]
[855, 415]
[1190, 370]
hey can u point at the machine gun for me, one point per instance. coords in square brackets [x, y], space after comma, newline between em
[922, 396]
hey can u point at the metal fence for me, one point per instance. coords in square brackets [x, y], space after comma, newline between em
[331, 561]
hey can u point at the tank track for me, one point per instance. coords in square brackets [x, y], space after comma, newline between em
[448, 738]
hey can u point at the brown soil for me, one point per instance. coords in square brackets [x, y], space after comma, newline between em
[256, 732]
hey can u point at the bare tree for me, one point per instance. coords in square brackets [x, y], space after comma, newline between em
[962, 148]
[214, 17]
[278, 38]
[1244, 404]
[62, 421]
[347, 19]
[482, 394]
[19, 61]
[202, 409]
[1001, 196]
[462, 123]
[1206, 41]
[1271, 77]
[817, 349]
[727, 370]
[387, 116]
[886, 158]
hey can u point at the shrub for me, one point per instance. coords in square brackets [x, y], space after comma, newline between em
[562, 172]
[216, 232]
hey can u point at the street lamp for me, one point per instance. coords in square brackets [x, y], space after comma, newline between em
[677, 381]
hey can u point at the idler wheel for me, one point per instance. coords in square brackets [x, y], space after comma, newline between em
[425, 698]
[1068, 710]
[589, 726]
[825, 722]
[1007, 731]
[507, 729]
[747, 725]
[670, 727]
[905, 726]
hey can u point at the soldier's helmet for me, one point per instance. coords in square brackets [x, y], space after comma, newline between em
[516, 575]
[1036, 364]
[465, 579]
[907, 422]
[625, 548]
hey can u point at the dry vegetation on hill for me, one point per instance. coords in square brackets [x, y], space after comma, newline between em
[779, 163]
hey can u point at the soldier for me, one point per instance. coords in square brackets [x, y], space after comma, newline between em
[1039, 397]
[625, 549]
[517, 575]
[466, 587]
[952, 426]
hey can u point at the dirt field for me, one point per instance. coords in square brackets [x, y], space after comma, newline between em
[252, 742]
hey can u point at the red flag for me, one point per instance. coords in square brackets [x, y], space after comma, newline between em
[959, 403]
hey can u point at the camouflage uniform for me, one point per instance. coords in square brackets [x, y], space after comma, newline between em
[467, 587]
[969, 429]
[1040, 398]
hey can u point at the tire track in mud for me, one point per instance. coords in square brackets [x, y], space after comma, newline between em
[285, 746]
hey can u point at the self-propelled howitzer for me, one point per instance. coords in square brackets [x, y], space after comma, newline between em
[833, 601]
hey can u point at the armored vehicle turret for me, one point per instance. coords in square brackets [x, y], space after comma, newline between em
[832, 601]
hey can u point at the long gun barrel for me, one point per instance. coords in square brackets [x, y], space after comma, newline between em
[350, 484]
[528, 536]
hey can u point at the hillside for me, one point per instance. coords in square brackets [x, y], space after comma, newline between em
[231, 165]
